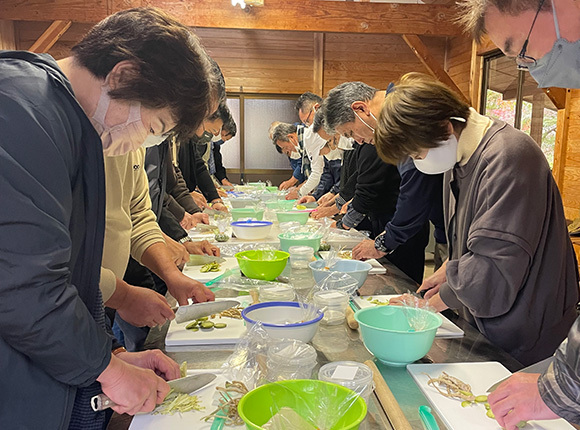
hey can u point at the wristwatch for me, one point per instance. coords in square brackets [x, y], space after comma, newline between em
[379, 244]
[185, 239]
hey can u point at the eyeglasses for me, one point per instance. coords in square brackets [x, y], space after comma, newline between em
[523, 61]
[307, 119]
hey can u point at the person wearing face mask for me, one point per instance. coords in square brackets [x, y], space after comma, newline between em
[401, 235]
[511, 270]
[544, 37]
[55, 348]
[306, 107]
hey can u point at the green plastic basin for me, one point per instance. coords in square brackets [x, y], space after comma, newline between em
[260, 264]
[301, 217]
[307, 397]
[298, 239]
[387, 334]
[241, 213]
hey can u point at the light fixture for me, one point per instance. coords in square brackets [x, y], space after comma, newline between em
[247, 3]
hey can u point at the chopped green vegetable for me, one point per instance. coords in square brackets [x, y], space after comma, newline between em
[487, 407]
[220, 325]
[178, 402]
[466, 403]
[214, 266]
[222, 237]
[202, 319]
[192, 325]
[183, 369]
[490, 414]
[324, 247]
[207, 324]
[481, 399]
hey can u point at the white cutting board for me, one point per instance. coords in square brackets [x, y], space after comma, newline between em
[194, 271]
[377, 268]
[447, 330]
[480, 376]
[187, 420]
[178, 335]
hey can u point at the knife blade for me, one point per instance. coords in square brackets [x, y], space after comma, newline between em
[539, 367]
[200, 260]
[186, 385]
[198, 310]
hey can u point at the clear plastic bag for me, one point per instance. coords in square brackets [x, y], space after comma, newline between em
[290, 359]
[338, 281]
[231, 249]
[238, 282]
[417, 320]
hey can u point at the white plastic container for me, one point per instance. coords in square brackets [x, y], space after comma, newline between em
[350, 374]
[301, 256]
[290, 359]
[334, 304]
[277, 293]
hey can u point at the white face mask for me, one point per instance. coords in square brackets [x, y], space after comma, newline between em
[440, 159]
[295, 155]
[364, 122]
[153, 140]
[345, 144]
[122, 138]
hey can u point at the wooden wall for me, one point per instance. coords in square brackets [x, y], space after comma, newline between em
[285, 62]
[459, 63]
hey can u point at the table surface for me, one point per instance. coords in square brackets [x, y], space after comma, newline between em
[337, 343]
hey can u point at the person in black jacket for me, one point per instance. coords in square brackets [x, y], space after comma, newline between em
[229, 130]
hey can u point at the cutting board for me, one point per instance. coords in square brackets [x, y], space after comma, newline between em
[377, 268]
[194, 271]
[447, 330]
[480, 376]
[178, 335]
[187, 420]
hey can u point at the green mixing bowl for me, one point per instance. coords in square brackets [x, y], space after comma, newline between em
[298, 239]
[389, 336]
[272, 189]
[286, 204]
[299, 216]
[306, 397]
[260, 264]
[240, 213]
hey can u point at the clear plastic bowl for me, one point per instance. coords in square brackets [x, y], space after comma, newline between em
[334, 304]
[290, 359]
[350, 374]
[276, 293]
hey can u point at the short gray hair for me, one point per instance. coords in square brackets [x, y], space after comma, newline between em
[318, 123]
[337, 110]
[472, 12]
[282, 131]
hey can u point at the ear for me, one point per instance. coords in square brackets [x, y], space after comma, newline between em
[316, 106]
[122, 72]
[360, 106]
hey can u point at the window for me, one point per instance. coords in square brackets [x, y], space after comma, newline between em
[513, 96]
[251, 150]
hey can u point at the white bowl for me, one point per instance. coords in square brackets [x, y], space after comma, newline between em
[251, 230]
[284, 320]
[359, 270]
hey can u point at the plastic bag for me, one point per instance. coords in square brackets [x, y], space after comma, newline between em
[417, 320]
[290, 359]
[231, 249]
[344, 238]
[338, 281]
[238, 282]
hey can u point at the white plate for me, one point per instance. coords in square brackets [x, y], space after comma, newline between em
[480, 376]
[194, 271]
[187, 420]
[447, 330]
[377, 269]
[178, 335]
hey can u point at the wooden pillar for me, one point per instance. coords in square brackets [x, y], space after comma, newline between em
[7, 35]
[561, 146]
[537, 125]
[475, 73]
[318, 70]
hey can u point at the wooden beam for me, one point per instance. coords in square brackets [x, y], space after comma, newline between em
[431, 63]
[537, 122]
[561, 146]
[475, 74]
[7, 35]
[318, 81]
[50, 36]
[486, 46]
[558, 96]
[300, 15]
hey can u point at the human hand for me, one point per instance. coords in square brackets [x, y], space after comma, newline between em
[227, 183]
[286, 184]
[221, 192]
[177, 251]
[292, 195]
[219, 207]
[365, 250]
[132, 388]
[199, 200]
[327, 200]
[434, 282]
[182, 288]
[324, 211]
[344, 208]
[202, 247]
[518, 399]
[200, 217]
[155, 360]
[306, 199]
[144, 307]
[188, 222]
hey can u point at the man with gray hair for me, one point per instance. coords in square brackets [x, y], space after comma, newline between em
[542, 35]
[544, 38]
[351, 110]
[306, 106]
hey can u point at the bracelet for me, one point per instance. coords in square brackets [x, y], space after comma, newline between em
[119, 350]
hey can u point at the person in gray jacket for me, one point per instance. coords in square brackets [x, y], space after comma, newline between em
[544, 38]
[511, 270]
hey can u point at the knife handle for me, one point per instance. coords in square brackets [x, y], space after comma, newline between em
[100, 402]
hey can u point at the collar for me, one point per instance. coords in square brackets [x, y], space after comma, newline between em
[471, 136]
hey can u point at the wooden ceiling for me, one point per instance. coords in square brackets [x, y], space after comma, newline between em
[297, 15]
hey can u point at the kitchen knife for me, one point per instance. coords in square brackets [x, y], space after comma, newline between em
[539, 367]
[200, 260]
[186, 385]
[198, 310]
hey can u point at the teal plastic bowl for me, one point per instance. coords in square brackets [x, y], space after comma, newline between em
[359, 270]
[306, 397]
[286, 204]
[387, 334]
[299, 216]
[272, 189]
[240, 213]
[260, 264]
[298, 239]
